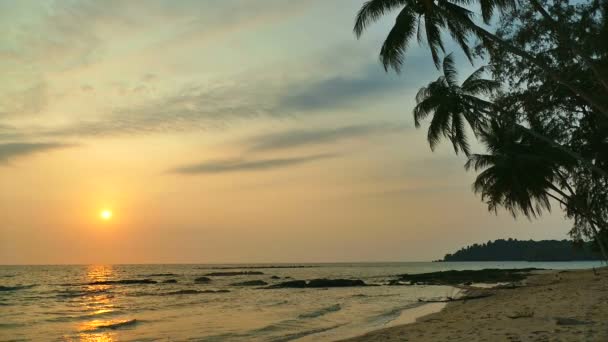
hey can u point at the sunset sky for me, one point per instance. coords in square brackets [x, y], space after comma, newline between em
[222, 131]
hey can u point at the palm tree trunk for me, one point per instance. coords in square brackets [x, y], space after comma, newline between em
[548, 71]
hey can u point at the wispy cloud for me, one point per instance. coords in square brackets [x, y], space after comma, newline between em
[29, 100]
[304, 137]
[151, 87]
[224, 166]
[198, 107]
[10, 133]
[341, 89]
[10, 151]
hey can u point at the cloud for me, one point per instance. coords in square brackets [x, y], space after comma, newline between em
[52, 41]
[10, 151]
[304, 137]
[67, 34]
[166, 92]
[9, 133]
[192, 108]
[203, 106]
[236, 165]
[341, 89]
[149, 77]
[19, 102]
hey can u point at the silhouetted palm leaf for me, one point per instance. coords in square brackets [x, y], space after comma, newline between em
[518, 170]
[489, 6]
[432, 15]
[452, 106]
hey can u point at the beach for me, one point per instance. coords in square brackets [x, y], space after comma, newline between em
[566, 305]
[214, 302]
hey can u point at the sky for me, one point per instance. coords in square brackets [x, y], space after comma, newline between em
[223, 132]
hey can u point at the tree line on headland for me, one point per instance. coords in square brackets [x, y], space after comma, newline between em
[538, 104]
[520, 250]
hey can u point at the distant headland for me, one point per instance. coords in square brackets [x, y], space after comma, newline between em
[521, 250]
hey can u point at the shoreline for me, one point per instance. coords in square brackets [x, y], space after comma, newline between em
[564, 305]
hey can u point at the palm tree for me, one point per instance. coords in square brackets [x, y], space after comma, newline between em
[429, 18]
[417, 18]
[522, 173]
[452, 105]
[516, 174]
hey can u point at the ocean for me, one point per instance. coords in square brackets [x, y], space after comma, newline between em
[165, 303]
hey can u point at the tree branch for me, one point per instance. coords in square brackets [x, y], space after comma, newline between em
[559, 32]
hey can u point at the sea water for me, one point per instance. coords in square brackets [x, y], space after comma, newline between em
[68, 303]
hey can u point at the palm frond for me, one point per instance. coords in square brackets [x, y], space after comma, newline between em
[481, 87]
[489, 6]
[449, 70]
[458, 135]
[432, 24]
[395, 45]
[372, 11]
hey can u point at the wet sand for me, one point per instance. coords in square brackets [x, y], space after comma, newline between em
[551, 306]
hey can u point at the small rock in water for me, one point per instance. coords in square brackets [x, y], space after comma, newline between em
[335, 282]
[250, 283]
[182, 292]
[191, 292]
[318, 283]
[569, 321]
[289, 284]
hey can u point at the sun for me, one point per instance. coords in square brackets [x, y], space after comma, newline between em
[105, 214]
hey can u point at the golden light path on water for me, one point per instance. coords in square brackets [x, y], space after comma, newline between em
[98, 304]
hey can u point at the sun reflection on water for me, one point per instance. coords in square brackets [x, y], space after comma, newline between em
[98, 303]
[104, 337]
[99, 272]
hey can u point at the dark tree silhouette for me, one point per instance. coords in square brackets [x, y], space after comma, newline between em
[451, 105]
[516, 250]
[545, 130]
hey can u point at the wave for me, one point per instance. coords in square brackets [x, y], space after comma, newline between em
[115, 325]
[81, 293]
[279, 303]
[11, 325]
[177, 293]
[160, 275]
[362, 295]
[98, 314]
[231, 274]
[16, 288]
[322, 311]
[391, 315]
[186, 292]
[123, 282]
[301, 334]
[256, 267]
[258, 333]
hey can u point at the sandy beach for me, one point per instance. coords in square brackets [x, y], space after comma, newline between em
[551, 306]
